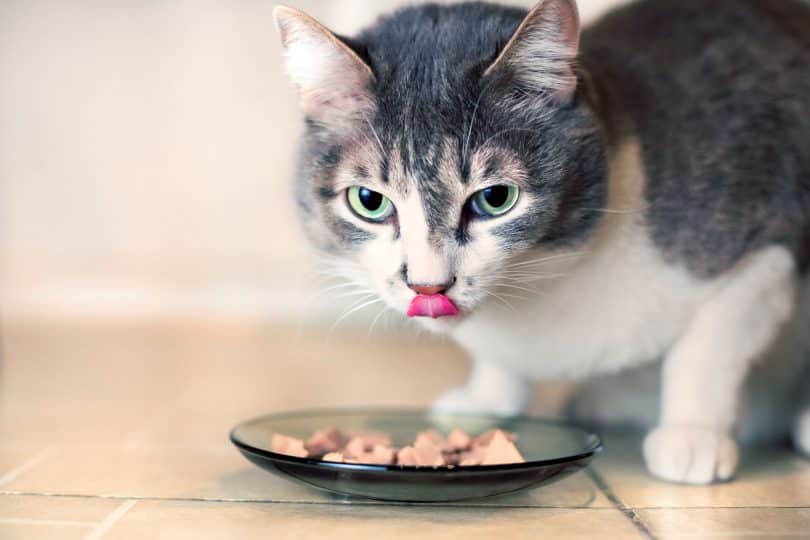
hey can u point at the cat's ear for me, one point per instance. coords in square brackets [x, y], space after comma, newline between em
[541, 54]
[333, 82]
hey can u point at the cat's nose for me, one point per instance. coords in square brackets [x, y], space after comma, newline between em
[430, 290]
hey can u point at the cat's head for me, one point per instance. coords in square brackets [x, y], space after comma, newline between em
[444, 143]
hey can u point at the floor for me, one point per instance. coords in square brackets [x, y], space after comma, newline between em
[120, 432]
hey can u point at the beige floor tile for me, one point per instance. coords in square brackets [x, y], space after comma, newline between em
[181, 520]
[767, 478]
[728, 522]
[222, 474]
[45, 508]
[16, 460]
[43, 517]
[28, 531]
[145, 412]
[111, 383]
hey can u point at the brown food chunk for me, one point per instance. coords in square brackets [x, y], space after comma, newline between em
[356, 448]
[288, 445]
[380, 455]
[473, 457]
[451, 458]
[357, 452]
[370, 438]
[501, 451]
[425, 456]
[485, 438]
[430, 437]
[459, 440]
[324, 442]
[406, 457]
[430, 448]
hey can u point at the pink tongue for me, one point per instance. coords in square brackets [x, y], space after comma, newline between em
[435, 306]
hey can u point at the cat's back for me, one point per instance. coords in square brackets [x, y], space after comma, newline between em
[719, 94]
[678, 32]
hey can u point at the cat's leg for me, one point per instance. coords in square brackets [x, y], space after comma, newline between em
[801, 431]
[801, 426]
[491, 389]
[703, 375]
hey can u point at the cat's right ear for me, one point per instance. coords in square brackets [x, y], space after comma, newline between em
[334, 83]
[541, 55]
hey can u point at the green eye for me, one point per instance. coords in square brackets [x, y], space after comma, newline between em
[368, 204]
[494, 201]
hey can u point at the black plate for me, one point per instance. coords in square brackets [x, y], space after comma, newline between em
[552, 451]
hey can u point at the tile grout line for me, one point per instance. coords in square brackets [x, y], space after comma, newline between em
[358, 502]
[628, 512]
[13, 474]
[108, 522]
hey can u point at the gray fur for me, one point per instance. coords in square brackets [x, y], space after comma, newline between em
[719, 94]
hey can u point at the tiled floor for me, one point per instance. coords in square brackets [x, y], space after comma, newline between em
[121, 432]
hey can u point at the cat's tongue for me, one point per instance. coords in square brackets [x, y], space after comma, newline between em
[434, 306]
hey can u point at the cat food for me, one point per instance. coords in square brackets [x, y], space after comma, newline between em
[429, 449]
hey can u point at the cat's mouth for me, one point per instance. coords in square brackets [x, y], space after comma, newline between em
[434, 306]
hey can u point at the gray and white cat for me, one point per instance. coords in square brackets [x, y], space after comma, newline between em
[570, 203]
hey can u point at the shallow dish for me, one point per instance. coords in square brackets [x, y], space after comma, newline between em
[552, 450]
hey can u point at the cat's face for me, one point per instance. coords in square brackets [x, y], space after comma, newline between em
[442, 144]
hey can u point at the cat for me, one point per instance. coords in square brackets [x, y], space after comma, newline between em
[578, 203]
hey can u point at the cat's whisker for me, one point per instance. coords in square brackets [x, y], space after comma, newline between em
[527, 274]
[377, 137]
[354, 310]
[533, 278]
[342, 276]
[513, 296]
[498, 134]
[355, 297]
[382, 312]
[363, 298]
[546, 260]
[500, 299]
[466, 146]
[345, 285]
[554, 257]
[350, 294]
[614, 211]
[517, 287]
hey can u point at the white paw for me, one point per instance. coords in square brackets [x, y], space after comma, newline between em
[690, 455]
[801, 433]
[461, 400]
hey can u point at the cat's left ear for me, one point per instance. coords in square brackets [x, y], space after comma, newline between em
[333, 82]
[541, 55]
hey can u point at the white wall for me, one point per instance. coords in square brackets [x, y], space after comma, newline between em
[145, 152]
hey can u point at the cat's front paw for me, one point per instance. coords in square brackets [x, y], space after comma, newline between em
[691, 455]
[461, 400]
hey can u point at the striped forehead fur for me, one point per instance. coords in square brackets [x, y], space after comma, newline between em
[442, 118]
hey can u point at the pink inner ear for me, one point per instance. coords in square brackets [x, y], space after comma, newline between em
[433, 306]
[332, 79]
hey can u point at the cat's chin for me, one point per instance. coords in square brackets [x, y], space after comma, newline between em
[441, 325]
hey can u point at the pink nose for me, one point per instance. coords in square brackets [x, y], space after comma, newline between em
[428, 290]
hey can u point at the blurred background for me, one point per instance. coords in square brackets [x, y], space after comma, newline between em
[145, 160]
